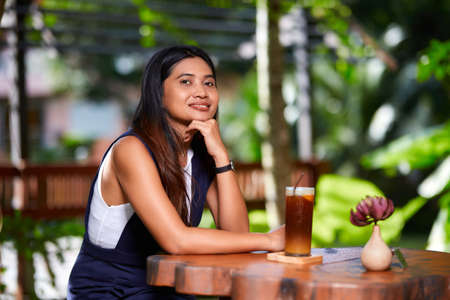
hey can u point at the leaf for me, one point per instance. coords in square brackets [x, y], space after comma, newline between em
[331, 221]
[258, 221]
[401, 258]
[335, 195]
[435, 59]
[439, 238]
[207, 220]
[412, 207]
[392, 227]
[419, 150]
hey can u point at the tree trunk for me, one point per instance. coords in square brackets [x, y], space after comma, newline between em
[25, 287]
[18, 94]
[18, 110]
[276, 155]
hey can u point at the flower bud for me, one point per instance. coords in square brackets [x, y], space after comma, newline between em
[371, 209]
[358, 219]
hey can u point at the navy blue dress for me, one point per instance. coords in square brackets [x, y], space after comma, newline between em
[120, 273]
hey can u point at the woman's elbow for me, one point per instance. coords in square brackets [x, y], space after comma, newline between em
[176, 246]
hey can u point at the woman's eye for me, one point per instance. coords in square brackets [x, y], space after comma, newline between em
[210, 83]
[185, 81]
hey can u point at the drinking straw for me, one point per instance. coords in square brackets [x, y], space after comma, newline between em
[298, 181]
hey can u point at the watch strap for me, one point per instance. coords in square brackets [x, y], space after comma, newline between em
[226, 168]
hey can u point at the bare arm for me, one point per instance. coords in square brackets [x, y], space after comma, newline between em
[226, 203]
[224, 195]
[141, 186]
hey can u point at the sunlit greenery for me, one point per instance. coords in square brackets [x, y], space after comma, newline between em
[238, 120]
[384, 129]
[413, 151]
[435, 61]
[31, 236]
[335, 196]
[429, 148]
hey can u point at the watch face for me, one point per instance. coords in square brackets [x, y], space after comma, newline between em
[232, 165]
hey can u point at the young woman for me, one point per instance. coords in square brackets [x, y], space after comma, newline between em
[154, 180]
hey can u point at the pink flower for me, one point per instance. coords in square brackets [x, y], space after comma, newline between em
[371, 209]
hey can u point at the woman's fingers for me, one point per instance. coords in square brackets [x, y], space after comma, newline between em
[277, 238]
[208, 129]
[204, 126]
[211, 134]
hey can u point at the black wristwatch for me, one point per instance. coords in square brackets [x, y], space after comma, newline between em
[226, 168]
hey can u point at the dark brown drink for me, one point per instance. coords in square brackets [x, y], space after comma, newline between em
[299, 212]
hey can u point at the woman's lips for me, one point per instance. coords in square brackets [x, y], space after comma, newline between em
[200, 106]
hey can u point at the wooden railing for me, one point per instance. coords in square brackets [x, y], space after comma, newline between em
[57, 191]
[48, 191]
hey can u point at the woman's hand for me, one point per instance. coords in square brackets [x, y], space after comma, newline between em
[276, 237]
[210, 131]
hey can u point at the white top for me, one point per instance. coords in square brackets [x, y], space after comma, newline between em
[107, 222]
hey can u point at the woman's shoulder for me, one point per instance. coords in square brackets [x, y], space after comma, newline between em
[129, 148]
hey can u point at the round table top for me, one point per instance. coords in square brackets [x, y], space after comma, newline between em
[340, 276]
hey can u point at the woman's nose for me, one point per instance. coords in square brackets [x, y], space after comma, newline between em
[200, 91]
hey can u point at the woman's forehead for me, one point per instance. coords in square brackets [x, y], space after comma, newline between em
[191, 65]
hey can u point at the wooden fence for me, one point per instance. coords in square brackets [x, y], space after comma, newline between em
[58, 191]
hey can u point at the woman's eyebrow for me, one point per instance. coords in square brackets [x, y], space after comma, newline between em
[184, 74]
[189, 74]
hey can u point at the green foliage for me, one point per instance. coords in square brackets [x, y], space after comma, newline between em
[418, 150]
[334, 16]
[29, 236]
[240, 117]
[444, 203]
[207, 220]
[424, 149]
[435, 61]
[66, 151]
[71, 5]
[151, 18]
[223, 3]
[337, 111]
[257, 220]
[335, 196]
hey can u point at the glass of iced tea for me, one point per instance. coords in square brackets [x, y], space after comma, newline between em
[299, 213]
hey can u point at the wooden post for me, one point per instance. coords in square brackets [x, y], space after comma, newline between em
[301, 58]
[276, 154]
[18, 95]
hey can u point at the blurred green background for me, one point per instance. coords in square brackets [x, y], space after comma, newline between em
[380, 105]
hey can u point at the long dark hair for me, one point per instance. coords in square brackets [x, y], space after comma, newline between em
[150, 121]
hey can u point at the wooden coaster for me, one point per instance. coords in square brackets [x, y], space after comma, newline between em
[302, 260]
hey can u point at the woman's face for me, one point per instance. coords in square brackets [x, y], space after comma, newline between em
[190, 92]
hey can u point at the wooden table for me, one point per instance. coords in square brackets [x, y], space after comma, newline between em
[340, 276]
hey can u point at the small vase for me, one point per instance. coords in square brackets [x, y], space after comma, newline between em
[376, 255]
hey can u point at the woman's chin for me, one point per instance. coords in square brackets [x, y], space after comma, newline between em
[202, 118]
